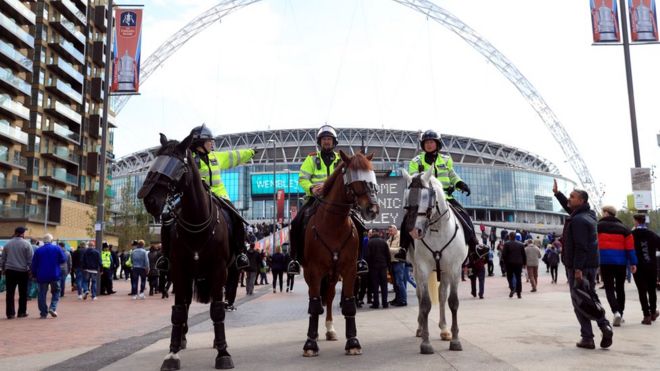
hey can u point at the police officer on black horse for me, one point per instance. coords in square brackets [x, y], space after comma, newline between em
[316, 168]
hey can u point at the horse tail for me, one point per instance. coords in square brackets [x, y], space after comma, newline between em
[202, 291]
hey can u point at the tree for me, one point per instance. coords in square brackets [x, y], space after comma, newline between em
[131, 220]
[626, 216]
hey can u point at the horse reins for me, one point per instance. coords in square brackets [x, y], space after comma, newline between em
[437, 255]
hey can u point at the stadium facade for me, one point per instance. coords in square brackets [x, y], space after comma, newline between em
[509, 185]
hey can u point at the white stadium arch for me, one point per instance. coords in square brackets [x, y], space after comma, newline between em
[431, 11]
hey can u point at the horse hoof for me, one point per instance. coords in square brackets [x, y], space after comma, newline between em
[354, 352]
[418, 333]
[310, 353]
[331, 336]
[223, 362]
[446, 336]
[170, 364]
[455, 345]
[426, 348]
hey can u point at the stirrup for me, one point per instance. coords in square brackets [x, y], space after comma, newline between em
[242, 261]
[401, 254]
[293, 268]
[362, 266]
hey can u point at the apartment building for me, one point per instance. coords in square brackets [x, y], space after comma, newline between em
[52, 64]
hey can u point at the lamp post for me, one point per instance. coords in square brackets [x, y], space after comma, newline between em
[287, 189]
[274, 184]
[47, 188]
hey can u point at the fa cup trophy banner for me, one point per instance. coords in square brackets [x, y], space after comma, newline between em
[643, 21]
[126, 51]
[605, 21]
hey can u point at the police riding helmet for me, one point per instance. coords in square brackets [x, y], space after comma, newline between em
[200, 134]
[430, 134]
[326, 131]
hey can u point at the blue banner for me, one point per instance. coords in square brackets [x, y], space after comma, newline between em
[262, 184]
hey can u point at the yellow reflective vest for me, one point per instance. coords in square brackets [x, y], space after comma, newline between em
[106, 259]
[313, 171]
[443, 170]
[218, 161]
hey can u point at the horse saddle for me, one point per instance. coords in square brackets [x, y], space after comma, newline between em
[462, 216]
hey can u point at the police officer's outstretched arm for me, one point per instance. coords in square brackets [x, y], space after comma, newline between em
[231, 159]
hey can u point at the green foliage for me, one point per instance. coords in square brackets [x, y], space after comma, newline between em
[131, 221]
[626, 216]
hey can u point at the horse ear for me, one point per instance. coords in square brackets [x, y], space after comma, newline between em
[185, 144]
[163, 139]
[370, 156]
[426, 177]
[406, 176]
[344, 157]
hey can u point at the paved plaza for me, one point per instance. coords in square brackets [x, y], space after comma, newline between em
[537, 332]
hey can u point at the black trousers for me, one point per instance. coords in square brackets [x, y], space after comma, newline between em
[232, 284]
[361, 285]
[106, 281]
[290, 278]
[553, 272]
[164, 281]
[614, 278]
[645, 280]
[20, 280]
[514, 271]
[378, 277]
[277, 274]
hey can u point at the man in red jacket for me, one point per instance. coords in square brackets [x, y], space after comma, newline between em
[617, 250]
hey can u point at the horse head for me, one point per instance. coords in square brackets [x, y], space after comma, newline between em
[424, 196]
[168, 175]
[360, 182]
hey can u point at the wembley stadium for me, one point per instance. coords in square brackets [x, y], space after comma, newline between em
[510, 186]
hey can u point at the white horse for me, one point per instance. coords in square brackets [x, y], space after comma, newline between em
[439, 245]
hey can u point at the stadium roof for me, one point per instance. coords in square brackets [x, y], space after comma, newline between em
[388, 145]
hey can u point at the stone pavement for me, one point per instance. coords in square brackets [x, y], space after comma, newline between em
[537, 332]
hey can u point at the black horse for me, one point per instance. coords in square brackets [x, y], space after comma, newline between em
[197, 239]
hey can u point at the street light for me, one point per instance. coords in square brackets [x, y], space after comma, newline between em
[47, 188]
[274, 184]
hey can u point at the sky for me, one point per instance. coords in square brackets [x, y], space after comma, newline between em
[281, 64]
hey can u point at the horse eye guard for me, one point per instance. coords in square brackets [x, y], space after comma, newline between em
[419, 198]
[369, 177]
[170, 167]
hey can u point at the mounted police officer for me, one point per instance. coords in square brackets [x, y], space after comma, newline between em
[210, 163]
[316, 168]
[443, 170]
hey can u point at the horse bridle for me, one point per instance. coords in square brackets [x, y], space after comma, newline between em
[428, 196]
[351, 176]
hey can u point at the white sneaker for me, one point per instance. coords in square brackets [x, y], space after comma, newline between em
[94, 298]
[79, 297]
[617, 319]
[134, 297]
[141, 296]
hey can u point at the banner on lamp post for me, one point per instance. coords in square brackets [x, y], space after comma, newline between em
[280, 205]
[126, 51]
[643, 20]
[605, 21]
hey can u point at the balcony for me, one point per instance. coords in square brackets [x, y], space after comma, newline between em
[100, 20]
[12, 133]
[67, 72]
[64, 90]
[14, 58]
[97, 89]
[12, 162]
[67, 49]
[13, 108]
[18, 10]
[70, 10]
[60, 175]
[68, 29]
[62, 154]
[98, 53]
[62, 132]
[65, 112]
[14, 83]
[11, 185]
[15, 32]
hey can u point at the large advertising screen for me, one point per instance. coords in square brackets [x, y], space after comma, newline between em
[390, 202]
[262, 183]
[605, 21]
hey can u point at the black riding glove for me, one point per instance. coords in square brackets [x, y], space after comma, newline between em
[463, 187]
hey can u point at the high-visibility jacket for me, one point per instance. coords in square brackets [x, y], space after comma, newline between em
[106, 259]
[313, 171]
[443, 170]
[218, 161]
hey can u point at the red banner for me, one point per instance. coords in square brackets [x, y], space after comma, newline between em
[280, 205]
[643, 20]
[605, 21]
[127, 51]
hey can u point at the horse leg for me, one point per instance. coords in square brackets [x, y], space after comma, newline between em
[420, 276]
[311, 347]
[223, 359]
[330, 333]
[179, 319]
[423, 316]
[444, 333]
[349, 309]
[455, 343]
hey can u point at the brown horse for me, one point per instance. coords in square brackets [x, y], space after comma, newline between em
[197, 239]
[332, 244]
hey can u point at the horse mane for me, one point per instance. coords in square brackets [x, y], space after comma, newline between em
[168, 148]
[327, 185]
[360, 162]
